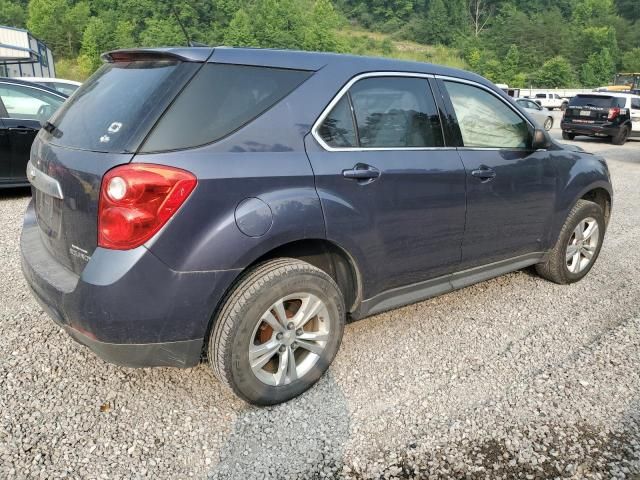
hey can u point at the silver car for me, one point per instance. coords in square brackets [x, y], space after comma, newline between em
[541, 115]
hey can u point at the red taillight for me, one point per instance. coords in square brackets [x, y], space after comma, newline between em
[613, 113]
[136, 200]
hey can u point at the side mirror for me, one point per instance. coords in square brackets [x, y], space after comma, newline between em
[541, 140]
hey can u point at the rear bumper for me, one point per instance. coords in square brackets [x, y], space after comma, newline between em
[128, 307]
[605, 130]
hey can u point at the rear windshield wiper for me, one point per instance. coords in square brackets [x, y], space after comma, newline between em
[52, 129]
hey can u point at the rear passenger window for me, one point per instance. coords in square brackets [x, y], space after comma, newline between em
[635, 103]
[485, 121]
[390, 112]
[219, 100]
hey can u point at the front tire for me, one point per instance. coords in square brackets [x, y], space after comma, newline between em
[568, 135]
[578, 245]
[548, 123]
[277, 332]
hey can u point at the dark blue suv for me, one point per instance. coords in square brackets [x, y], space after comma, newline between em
[237, 205]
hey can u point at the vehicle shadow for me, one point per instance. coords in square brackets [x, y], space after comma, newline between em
[14, 193]
[301, 438]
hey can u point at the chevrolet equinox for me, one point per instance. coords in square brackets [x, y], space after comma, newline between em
[238, 205]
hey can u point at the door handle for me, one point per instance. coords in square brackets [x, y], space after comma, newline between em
[484, 173]
[22, 130]
[362, 171]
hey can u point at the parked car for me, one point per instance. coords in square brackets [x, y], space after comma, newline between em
[24, 107]
[610, 115]
[537, 112]
[239, 204]
[66, 87]
[551, 101]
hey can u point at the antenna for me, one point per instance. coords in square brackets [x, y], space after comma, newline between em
[184, 30]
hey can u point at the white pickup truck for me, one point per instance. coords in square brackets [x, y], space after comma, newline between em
[551, 101]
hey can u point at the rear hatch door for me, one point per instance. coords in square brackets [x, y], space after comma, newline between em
[101, 126]
[591, 109]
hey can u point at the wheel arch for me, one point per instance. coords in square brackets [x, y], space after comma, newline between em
[328, 257]
[602, 197]
[598, 192]
[321, 253]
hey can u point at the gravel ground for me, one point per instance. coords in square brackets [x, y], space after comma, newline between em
[512, 378]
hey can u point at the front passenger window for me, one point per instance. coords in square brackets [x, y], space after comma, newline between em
[485, 121]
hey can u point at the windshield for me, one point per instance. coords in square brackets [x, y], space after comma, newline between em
[599, 101]
[114, 110]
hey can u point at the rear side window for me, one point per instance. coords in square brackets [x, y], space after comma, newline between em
[390, 112]
[635, 103]
[599, 101]
[485, 121]
[114, 110]
[219, 100]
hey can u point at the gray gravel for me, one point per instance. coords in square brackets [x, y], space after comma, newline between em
[511, 378]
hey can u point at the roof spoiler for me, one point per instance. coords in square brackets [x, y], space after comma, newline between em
[181, 54]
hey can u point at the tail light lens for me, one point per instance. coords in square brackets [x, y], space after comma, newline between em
[136, 200]
[613, 113]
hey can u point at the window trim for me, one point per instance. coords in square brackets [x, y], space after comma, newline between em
[514, 108]
[345, 90]
[33, 87]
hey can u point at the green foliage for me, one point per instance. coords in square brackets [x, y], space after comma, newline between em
[13, 14]
[555, 73]
[59, 23]
[598, 70]
[631, 61]
[518, 42]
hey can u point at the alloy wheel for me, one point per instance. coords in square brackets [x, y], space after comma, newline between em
[582, 245]
[289, 338]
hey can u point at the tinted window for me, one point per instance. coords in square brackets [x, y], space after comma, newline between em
[66, 88]
[485, 121]
[635, 103]
[337, 130]
[28, 103]
[219, 100]
[541, 95]
[394, 112]
[116, 107]
[600, 101]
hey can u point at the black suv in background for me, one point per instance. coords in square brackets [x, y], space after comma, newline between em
[610, 115]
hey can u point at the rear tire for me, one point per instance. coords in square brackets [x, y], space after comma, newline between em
[266, 359]
[568, 136]
[573, 257]
[621, 137]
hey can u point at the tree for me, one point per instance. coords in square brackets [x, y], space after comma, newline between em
[631, 61]
[511, 65]
[629, 9]
[598, 70]
[97, 38]
[434, 27]
[481, 12]
[320, 33]
[240, 32]
[555, 73]
[12, 14]
[59, 24]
